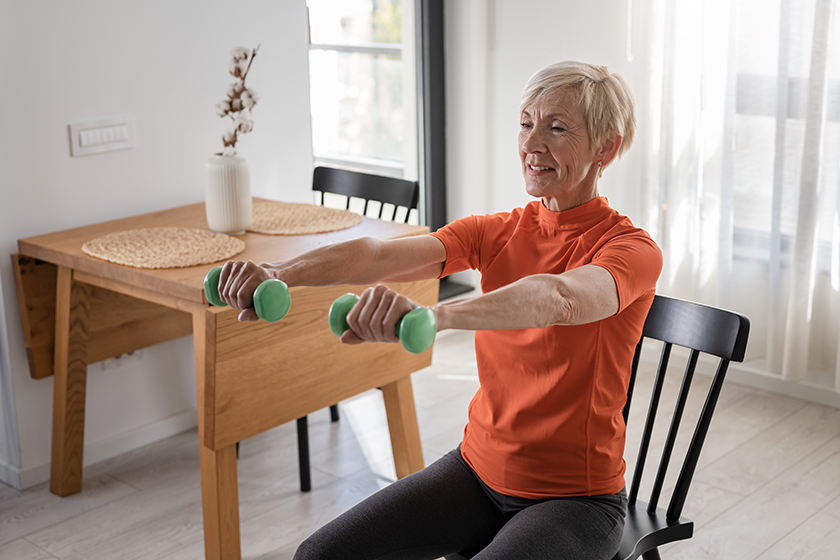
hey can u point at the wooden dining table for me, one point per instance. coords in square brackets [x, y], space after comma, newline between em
[250, 377]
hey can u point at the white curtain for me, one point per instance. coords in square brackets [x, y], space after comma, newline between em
[741, 134]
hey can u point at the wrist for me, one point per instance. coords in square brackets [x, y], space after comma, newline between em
[272, 271]
[441, 316]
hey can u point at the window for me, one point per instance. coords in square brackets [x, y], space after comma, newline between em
[771, 93]
[363, 85]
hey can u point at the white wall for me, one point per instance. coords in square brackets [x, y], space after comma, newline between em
[492, 48]
[165, 63]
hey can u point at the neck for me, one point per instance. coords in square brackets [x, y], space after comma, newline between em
[556, 204]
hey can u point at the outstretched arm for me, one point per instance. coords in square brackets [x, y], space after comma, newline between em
[582, 295]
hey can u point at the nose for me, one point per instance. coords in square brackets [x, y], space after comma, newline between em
[532, 141]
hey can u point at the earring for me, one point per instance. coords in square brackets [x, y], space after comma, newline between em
[599, 164]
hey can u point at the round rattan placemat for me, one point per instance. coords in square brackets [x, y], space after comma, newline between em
[287, 218]
[164, 247]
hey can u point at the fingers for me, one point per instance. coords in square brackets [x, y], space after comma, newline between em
[374, 318]
[349, 337]
[249, 314]
[237, 283]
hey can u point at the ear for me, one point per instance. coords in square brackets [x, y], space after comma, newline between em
[608, 149]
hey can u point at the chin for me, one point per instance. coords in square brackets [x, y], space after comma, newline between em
[536, 191]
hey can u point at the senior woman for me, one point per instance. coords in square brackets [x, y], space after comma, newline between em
[567, 282]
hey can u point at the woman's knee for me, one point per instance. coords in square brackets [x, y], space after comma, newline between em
[311, 549]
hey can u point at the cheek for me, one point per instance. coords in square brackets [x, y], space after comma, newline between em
[568, 154]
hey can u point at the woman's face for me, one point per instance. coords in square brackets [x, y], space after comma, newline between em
[558, 163]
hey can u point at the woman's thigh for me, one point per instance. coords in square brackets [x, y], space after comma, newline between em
[436, 511]
[565, 528]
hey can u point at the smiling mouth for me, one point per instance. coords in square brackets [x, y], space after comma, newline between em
[539, 168]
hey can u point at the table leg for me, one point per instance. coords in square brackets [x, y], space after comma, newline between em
[219, 484]
[402, 423]
[70, 384]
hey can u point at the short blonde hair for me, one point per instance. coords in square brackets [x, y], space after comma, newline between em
[607, 100]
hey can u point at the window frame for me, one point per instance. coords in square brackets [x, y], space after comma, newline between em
[430, 99]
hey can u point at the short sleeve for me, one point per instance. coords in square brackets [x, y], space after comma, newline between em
[635, 262]
[462, 240]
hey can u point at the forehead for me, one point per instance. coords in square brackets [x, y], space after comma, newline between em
[563, 103]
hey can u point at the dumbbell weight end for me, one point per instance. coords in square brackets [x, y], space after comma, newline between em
[211, 287]
[417, 330]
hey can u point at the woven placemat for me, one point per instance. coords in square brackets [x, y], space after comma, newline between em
[287, 218]
[164, 247]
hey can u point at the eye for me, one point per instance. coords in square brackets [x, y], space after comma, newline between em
[524, 125]
[558, 128]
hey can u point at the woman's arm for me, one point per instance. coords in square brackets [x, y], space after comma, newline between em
[579, 296]
[582, 295]
[360, 261]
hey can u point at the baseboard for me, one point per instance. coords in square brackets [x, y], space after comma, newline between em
[802, 390]
[9, 475]
[754, 378]
[449, 289]
[106, 448]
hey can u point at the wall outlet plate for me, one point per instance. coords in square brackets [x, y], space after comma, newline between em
[102, 135]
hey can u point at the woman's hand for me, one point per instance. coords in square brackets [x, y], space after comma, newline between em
[375, 316]
[237, 283]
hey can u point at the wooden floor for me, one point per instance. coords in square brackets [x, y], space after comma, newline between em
[768, 486]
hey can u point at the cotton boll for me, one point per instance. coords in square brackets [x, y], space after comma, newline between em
[253, 94]
[248, 103]
[222, 107]
[234, 88]
[243, 125]
[240, 53]
[228, 137]
[236, 104]
[229, 151]
[243, 67]
[233, 67]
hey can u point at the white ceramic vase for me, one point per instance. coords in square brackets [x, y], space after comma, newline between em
[228, 194]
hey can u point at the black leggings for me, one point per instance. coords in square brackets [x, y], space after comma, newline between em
[446, 508]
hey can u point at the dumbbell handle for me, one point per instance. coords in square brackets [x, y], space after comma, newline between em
[416, 330]
[271, 298]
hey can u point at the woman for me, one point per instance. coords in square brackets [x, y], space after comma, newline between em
[567, 283]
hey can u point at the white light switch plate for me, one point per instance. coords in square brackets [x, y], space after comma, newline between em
[102, 135]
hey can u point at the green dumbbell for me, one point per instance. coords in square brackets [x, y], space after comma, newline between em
[416, 330]
[271, 298]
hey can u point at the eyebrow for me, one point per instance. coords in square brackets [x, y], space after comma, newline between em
[557, 115]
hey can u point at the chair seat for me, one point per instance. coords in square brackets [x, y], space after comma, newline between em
[644, 531]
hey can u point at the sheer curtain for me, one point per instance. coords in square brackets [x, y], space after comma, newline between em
[742, 171]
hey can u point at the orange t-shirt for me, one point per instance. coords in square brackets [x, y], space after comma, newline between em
[546, 421]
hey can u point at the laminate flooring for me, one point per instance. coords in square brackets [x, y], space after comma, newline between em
[767, 487]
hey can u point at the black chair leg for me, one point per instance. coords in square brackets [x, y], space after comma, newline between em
[303, 454]
[652, 555]
[237, 450]
[334, 413]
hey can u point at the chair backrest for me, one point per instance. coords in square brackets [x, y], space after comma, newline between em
[354, 184]
[700, 328]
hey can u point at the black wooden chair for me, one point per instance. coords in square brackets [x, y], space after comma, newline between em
[701, 329]
[370, 188]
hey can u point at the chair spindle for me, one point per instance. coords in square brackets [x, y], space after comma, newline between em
[672, 431]
[654, 405]
[693, 454]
